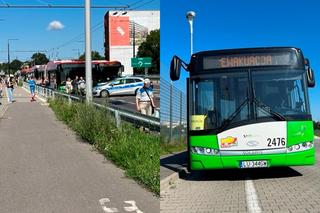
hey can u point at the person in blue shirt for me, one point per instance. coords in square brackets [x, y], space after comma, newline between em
[32, 85]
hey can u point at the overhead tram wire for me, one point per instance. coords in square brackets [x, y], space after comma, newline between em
[49, 6]
[93, 29]
[139, 6]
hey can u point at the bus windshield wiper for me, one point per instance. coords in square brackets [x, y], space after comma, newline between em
[268, 109]
[227, 121]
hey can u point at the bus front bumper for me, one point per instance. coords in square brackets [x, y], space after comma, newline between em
[205, 162]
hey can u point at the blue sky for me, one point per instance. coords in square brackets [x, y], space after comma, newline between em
[30, 27]
[242, 23]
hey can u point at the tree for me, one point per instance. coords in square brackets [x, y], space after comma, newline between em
[150, 48]
[39, 58]
[95, 55]
[15, 65]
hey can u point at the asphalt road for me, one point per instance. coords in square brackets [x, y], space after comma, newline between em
[287, 189]
[127, 102]
[45, 167]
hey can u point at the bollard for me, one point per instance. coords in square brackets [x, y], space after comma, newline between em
[118, 118]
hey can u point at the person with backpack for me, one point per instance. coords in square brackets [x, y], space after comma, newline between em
[144, 99]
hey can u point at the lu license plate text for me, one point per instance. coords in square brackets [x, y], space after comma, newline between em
[254, 164]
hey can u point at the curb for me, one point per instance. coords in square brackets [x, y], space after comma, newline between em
[169, 180]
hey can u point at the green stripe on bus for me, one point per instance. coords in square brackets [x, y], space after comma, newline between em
[209, 141]
[299, 131]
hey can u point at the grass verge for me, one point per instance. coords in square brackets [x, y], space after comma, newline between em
[134, 151]
[169, 148]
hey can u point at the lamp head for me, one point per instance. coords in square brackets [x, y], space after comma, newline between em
[190, 15]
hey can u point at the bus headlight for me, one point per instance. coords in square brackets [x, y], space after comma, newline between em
[204, 150]
[300, 147]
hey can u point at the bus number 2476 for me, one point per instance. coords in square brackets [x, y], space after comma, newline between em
[275, 142]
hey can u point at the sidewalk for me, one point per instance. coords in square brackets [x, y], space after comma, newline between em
[172, 167]
[46, 168]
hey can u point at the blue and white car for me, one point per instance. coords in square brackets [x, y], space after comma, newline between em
[119, 86]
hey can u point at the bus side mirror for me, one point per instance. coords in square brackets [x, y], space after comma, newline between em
[175, 68]
[310, 77]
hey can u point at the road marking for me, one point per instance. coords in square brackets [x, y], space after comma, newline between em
[252, 197]
[133, 207]
[103, 203]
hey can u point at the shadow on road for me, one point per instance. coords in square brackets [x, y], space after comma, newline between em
[178, 163]
[242, 174]
[174, 162]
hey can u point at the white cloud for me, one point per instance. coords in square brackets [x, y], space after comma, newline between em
[55, 25]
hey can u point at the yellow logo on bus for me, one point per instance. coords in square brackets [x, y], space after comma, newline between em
[228, 142]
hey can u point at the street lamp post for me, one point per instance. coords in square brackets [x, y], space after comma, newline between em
[190, 16]
[10, 39]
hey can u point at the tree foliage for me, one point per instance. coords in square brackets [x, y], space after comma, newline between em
[95, 55]
[151, 48]
[39, 58]
[15, 65]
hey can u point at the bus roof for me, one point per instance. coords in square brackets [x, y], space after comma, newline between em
[53, 64]
[247, 50]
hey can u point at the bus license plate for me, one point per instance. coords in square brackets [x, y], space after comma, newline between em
[254, 164]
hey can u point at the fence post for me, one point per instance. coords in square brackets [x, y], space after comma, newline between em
[170, 105]
[180, 122]
[52, 94]
[69, 99]
[118, 118]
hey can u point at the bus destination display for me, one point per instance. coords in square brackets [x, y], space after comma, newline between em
[246, 60]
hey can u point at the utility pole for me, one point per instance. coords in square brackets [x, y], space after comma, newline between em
[10, 39]
[88, 51]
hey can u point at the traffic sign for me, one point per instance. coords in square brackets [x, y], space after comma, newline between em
[141, 62]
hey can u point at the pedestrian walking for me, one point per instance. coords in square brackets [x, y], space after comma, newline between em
[82, 86]
[46, 82]
[1, 85]
[10, 87]
[75, 84]
[32, 85]
[144, 99]
[68, 86]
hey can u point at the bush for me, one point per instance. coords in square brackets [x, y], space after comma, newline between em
[134, 151]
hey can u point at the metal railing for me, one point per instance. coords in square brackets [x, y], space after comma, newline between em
[173, 114]
[135, 118]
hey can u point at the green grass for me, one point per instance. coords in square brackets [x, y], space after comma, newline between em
[134, 151]
[170, 148]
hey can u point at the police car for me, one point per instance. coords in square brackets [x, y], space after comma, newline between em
[119, 86]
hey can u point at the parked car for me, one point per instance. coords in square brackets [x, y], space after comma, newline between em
[119, 86]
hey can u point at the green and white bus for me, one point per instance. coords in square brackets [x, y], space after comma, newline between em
[248, 108]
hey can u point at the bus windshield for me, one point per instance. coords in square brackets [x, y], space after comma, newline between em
[230, 97]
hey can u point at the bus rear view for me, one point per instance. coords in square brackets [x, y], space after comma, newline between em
[248, 108]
